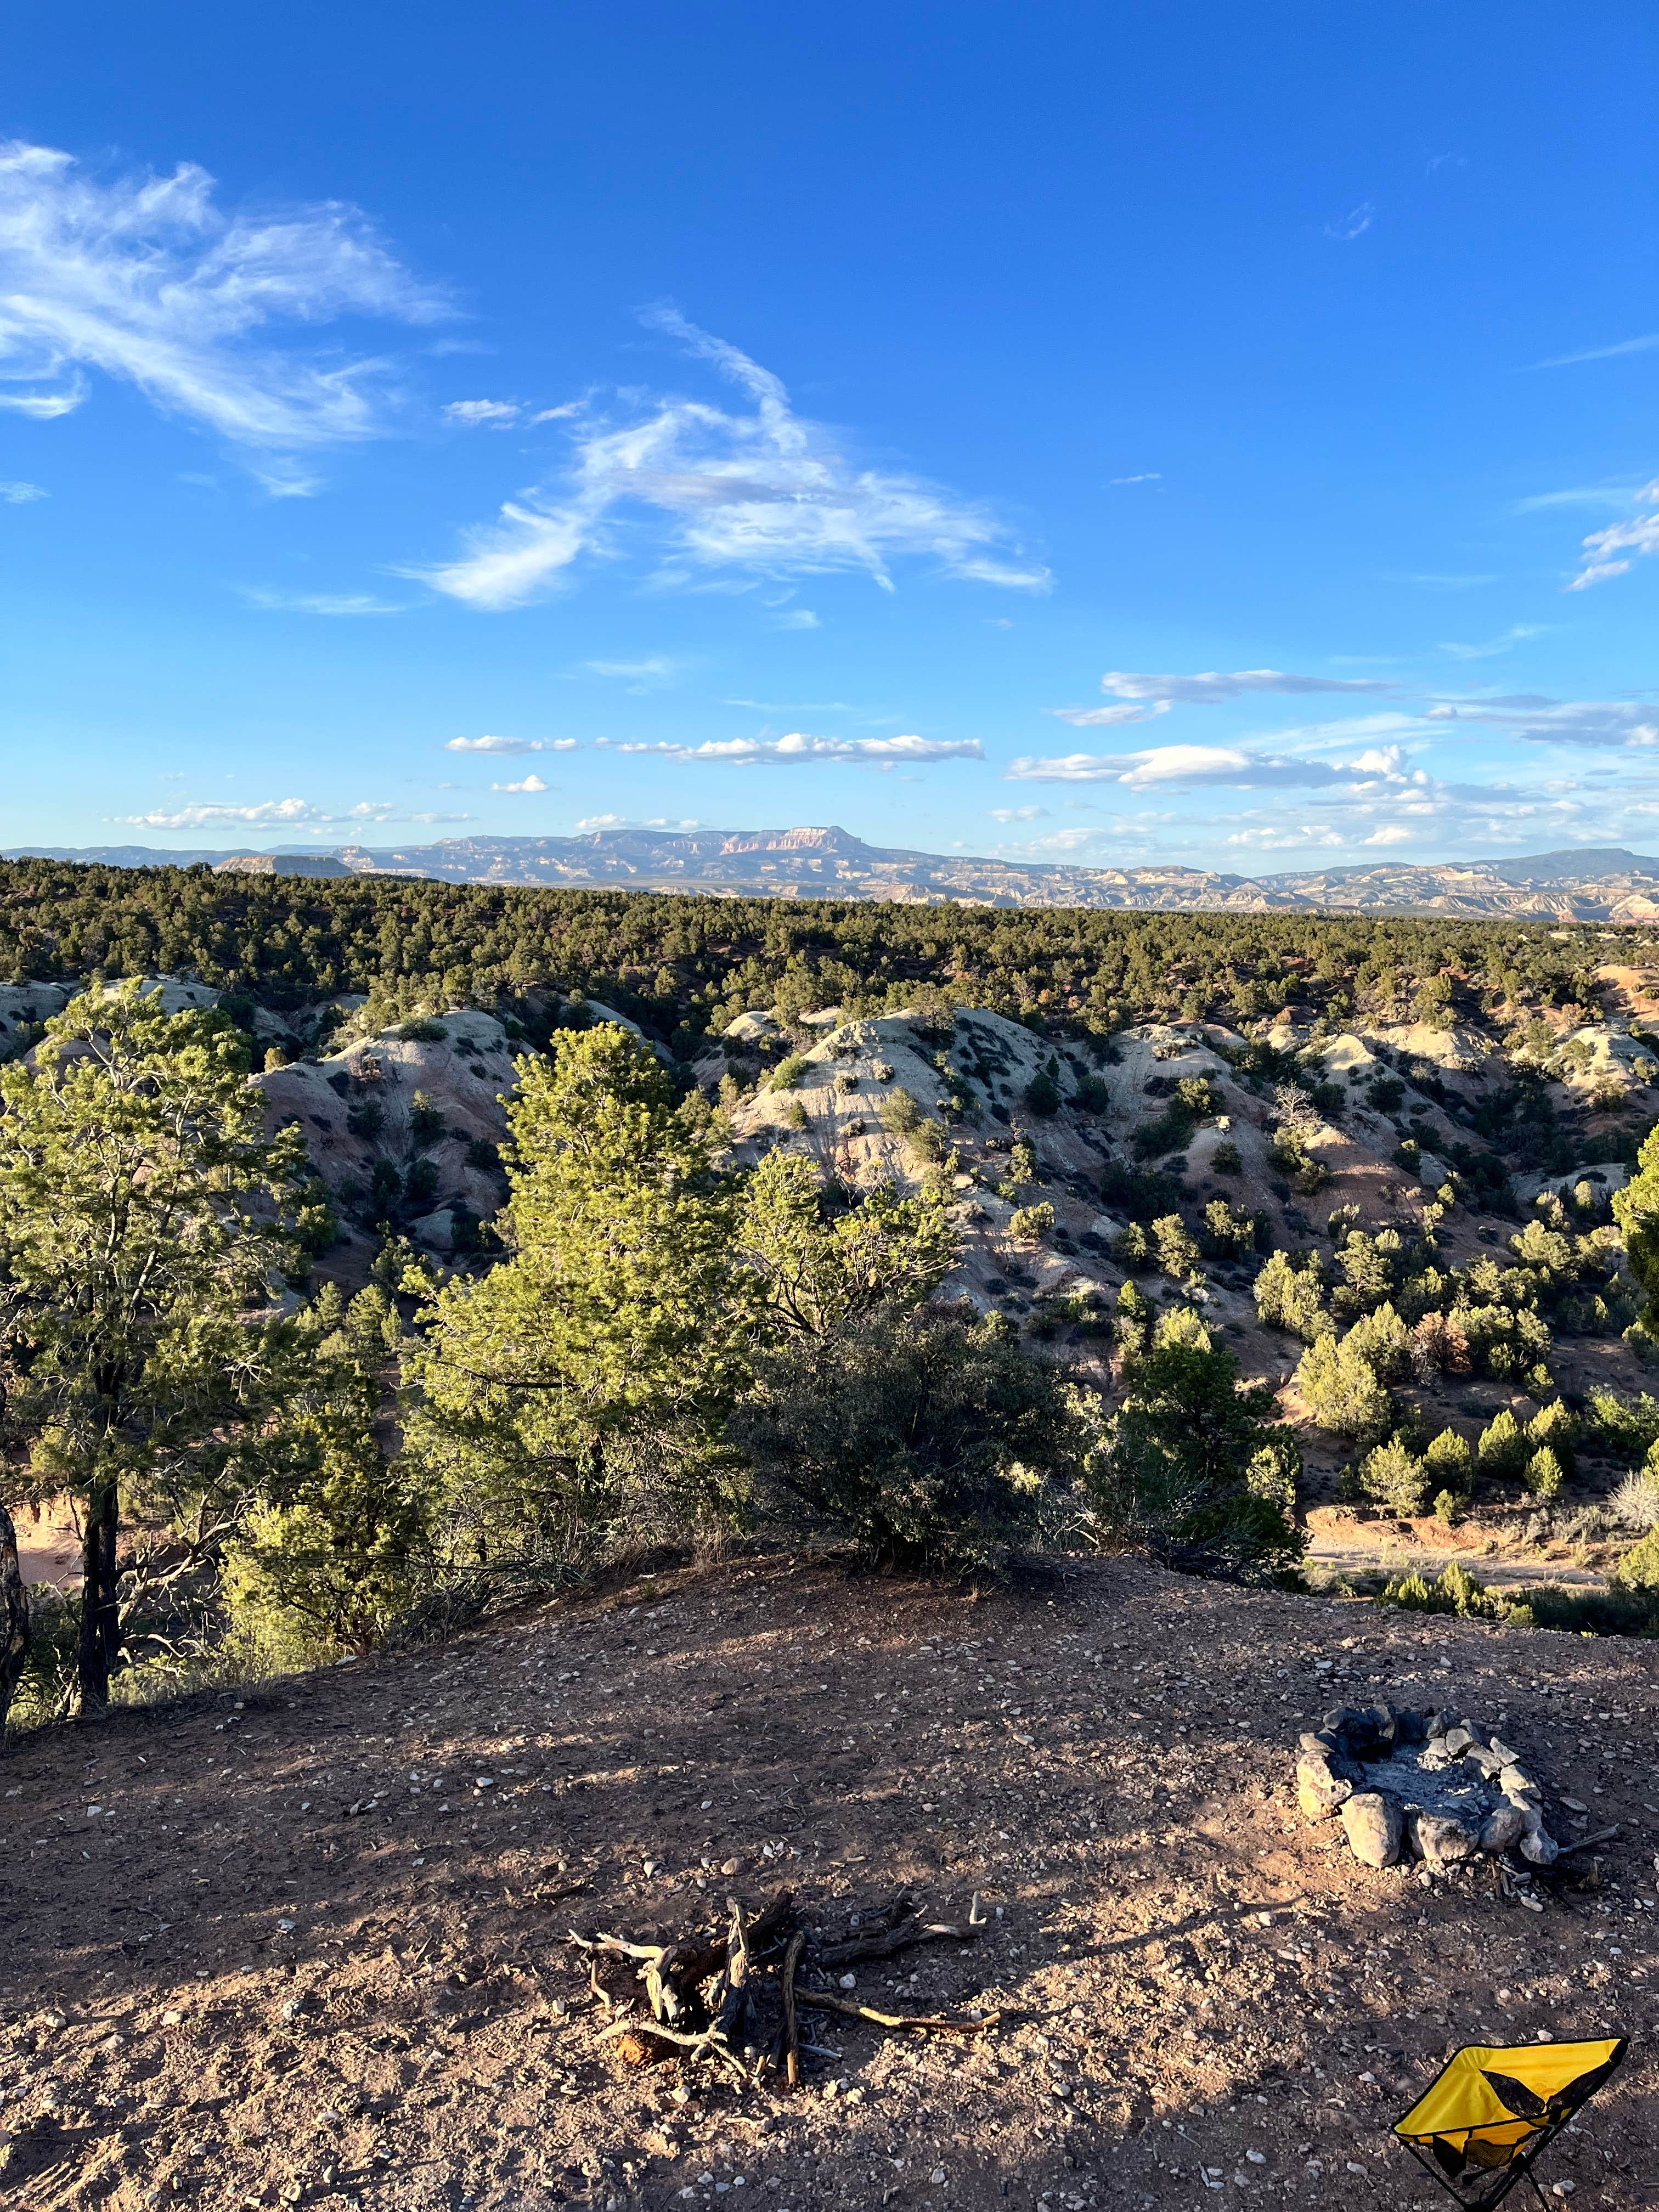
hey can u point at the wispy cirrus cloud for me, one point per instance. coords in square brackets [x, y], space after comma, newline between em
[1517, 634]
[1212, 688]
[1618, 498]
[1356, 221]
[1101, 718]
[1138, 695]
[45, 406]
[1602, 725]
[483, 414]
[1432, 581]
[649, 674]
[1647, 344]
[321, 603]
[764, 492]
[490, 744]
[800, 749]
[18, 494]
[1610, 552]
[146, 279]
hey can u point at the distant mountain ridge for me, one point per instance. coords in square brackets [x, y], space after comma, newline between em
[1596, 883]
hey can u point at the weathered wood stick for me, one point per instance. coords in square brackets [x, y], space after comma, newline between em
[791, 2024]
[936, 2023]
[1595, 1836]
[898, 1936]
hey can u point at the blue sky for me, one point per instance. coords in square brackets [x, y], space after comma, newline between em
[1118, 435]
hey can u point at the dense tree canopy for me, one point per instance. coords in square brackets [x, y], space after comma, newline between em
[681, 964]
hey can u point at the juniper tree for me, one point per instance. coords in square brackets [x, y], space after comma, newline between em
[143, 1218]
[601, 1357]
[1193, 1463]
[820, 1274]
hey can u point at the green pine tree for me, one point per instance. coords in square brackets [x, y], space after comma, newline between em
[143, 1235]
[590, 1374]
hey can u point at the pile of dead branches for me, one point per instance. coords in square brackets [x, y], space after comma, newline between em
[736, 1998]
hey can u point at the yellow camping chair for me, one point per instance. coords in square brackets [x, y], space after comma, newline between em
[1494, 2107]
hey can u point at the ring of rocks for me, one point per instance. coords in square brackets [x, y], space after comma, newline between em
[1407, 1785]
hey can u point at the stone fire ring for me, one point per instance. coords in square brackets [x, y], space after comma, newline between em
[1426, 1785]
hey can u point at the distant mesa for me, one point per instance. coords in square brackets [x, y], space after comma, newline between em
[282, 864]
[1598, 883]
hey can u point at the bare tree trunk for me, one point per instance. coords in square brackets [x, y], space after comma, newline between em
[14, 1617]
[100, 1626]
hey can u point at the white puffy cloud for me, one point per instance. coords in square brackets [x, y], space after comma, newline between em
[799, 749]
[145, 278]
[590, 823]
[529, 783]
[1390, 833]
[265, 814]
[763, 491]
[1230, 765]
[1283, 839]
[1162, 764]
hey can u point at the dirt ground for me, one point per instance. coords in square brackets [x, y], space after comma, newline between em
[48, 1543]
[310, 1947]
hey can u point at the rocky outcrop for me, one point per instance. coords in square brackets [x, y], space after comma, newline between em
[421, 1105]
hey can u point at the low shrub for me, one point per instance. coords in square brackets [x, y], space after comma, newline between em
[1393, 1477]
[1543, 1475]
[1454, 1591]
[926, 1439]
[1625, 1428]
[1450, 1461]
[1635, 1503]
[1503, 1448]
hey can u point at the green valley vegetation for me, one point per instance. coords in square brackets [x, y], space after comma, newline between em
[682, 966]
[665, 1351]
[677, 1311]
